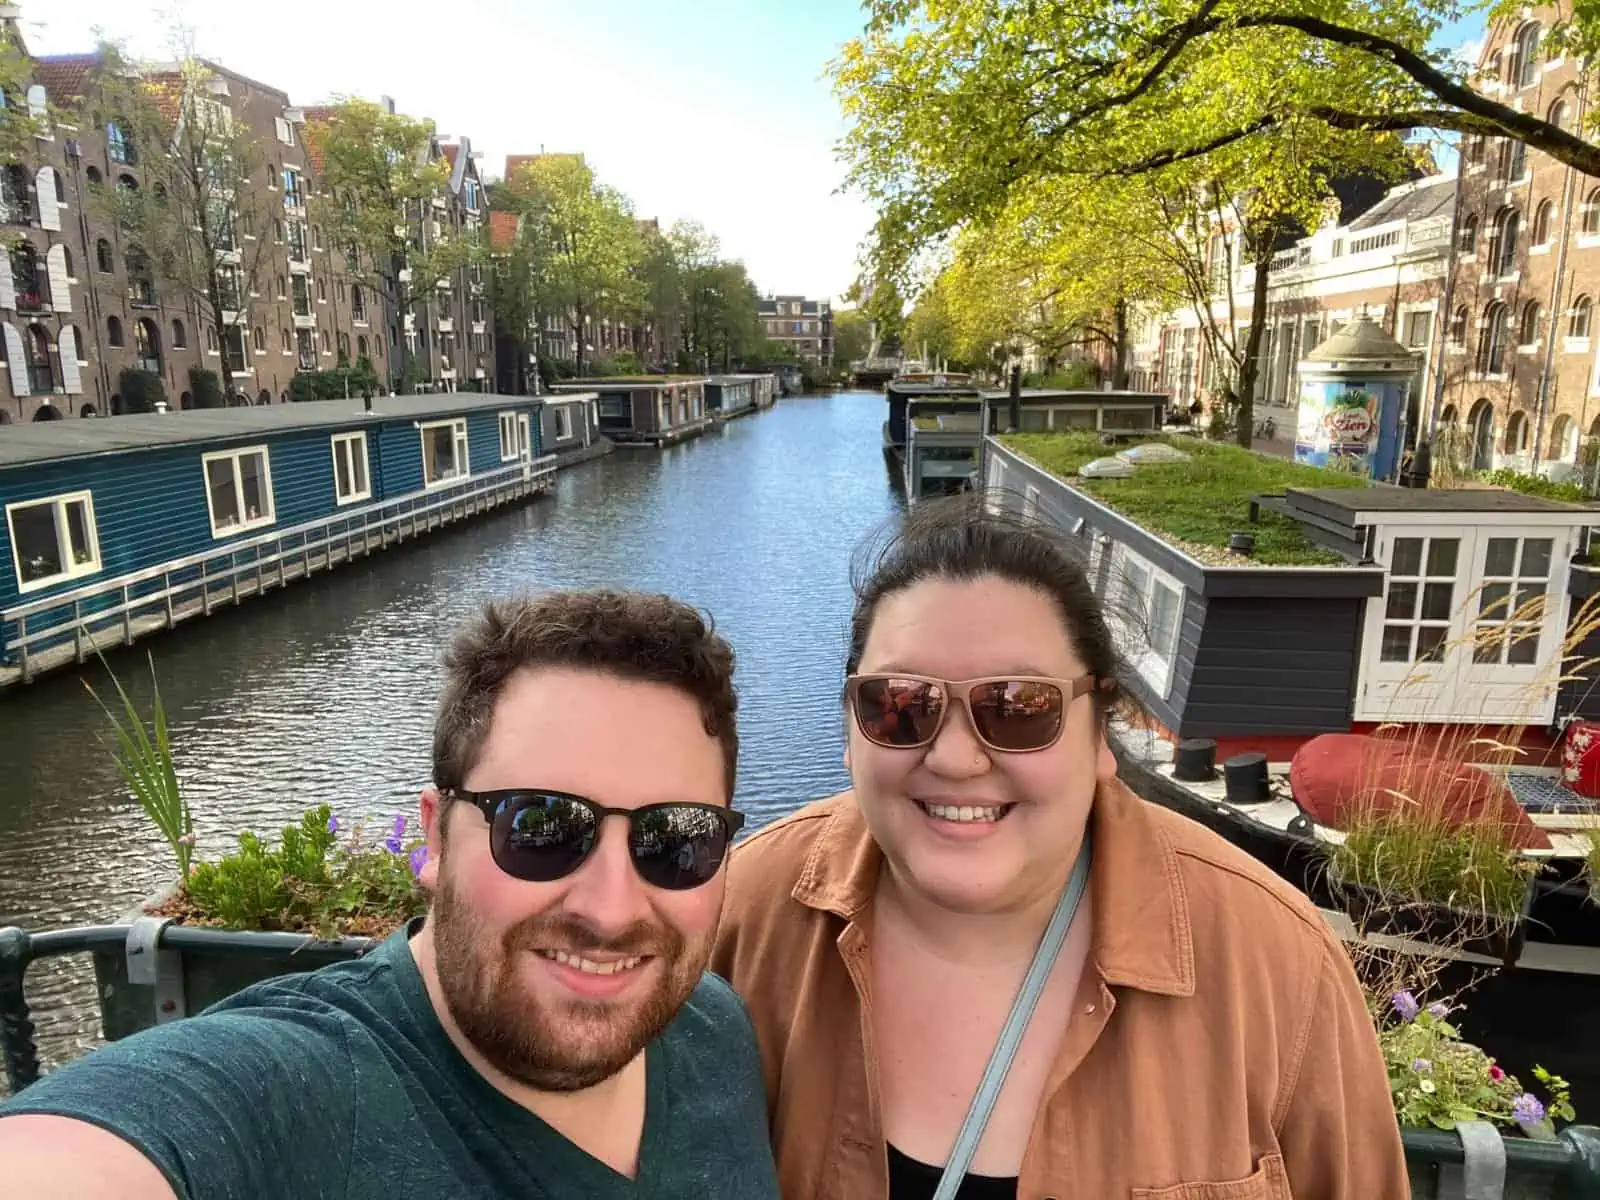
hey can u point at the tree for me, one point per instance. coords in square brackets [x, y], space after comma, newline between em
[197, 231]
[511, 284]
[379, 177]
[852, 335]
[584, 243]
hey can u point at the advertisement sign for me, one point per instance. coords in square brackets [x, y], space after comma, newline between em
[1338, 419]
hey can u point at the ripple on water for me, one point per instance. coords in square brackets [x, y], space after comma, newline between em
[325, 693]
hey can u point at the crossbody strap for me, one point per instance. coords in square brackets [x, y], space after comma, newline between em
[1005, 1048]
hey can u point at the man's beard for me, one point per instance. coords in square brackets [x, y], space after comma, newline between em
[576, 1043]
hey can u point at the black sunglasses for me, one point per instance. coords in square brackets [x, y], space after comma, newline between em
[540, 835]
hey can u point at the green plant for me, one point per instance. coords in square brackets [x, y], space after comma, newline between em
[144, 757]
[207, 388]
[141, 390]
[311, 880]
[1533, 485]
[302, 388]
[1437, 1079]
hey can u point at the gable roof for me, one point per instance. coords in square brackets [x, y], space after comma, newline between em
[502, 230]
[64, 77]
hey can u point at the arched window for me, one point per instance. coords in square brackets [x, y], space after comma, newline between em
[186, 401]
[47, 412]
[1578, 323]
[1528, 324]
[1522, 68]
[1473, 147]
[114, 331]
[1517, 433]
[147, 345]
[16, 195]
[127, 183]
[88, 410]
[94, 177]
[344, 347]
[1589, 218]
[1503, 242]
[211, 339]
[361, 345]
[1562, 431]
[259, 339]
[263, 397]
[1482, 420]
[102, 256]
[36, 346]
[141, 281]
[1543, 218]
[358, 303]
[1467, 235]
[1458, 327]
[288, 342]
[1513, 159]
[322, 291]
[1557, 114]
[1448, 417]
[1493, 336]
[180, 338]
[25, 277]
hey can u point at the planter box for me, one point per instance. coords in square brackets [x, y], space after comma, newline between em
[165, 971]
[1373, 911]
[1565, 1169]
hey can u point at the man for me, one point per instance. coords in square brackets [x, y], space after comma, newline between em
[545, 1031]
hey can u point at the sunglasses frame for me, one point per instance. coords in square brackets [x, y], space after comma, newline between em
[959, 691]
[490, 802]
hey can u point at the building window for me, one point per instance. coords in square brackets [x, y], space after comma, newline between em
[358, 303]
[1492, 339]
[147, 345]
[1543, 217]
[114, 331]
[288, 341]
[102, 256]
[238, 490]
[350, 482]
[1557, 115]
[563, 422]
[53, 539]
[1467, 237]
[361, 345]
[508, 436]
[120, 146]
[1458, 327]
[293, 197]
[1148, 606]
[259, 338]
[1522, 67]
[25, 277]
[1503, 242]
[1419, 329]
[1517, 434]
[1528, 325]
[1589, 218]
[1513, 159]
[444, 451]
[1578, 323]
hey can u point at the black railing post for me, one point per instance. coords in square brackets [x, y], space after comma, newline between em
[17, 1047]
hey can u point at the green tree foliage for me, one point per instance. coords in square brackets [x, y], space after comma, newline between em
[380, 175]
[852, 335]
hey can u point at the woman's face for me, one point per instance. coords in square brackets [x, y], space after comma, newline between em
[971, 828]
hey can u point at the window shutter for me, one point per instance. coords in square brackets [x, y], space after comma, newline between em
[36, 102]
[71, 381]
[60, 281]
[16, 360]
[8, 286]
[45, 197]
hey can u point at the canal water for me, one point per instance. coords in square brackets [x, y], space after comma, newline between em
[325, 692]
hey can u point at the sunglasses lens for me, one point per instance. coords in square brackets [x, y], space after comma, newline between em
[540, 837]
[899, 712]
[1016, 715]
[678, 846]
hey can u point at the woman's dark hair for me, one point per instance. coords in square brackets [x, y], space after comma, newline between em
[971, 535]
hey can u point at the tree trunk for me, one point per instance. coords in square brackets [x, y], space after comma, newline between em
[1244, 432]
[578, 346]
[1119, 350]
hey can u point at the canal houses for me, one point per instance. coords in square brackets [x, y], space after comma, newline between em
[119, 527]
[656, 410]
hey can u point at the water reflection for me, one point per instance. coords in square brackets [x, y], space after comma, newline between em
[324, 693]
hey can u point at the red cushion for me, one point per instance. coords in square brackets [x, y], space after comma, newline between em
[1337, 774]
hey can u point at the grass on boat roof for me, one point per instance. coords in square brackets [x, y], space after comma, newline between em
[1201, 501]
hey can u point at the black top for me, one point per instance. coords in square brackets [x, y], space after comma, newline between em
[913, 1180]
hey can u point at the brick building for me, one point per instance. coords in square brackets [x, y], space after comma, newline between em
[804, 326]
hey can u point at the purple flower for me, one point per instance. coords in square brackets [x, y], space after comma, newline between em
[1406, 1005]
[1527, 1110]
[1422, 1066]
[419, 857]
[395, 843]
[333, 823]
[1438, 1010]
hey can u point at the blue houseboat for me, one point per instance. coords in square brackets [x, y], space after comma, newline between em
[118, 527]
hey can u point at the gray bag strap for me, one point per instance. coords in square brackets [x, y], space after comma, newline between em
[1482, 1173]
[1005, 1049]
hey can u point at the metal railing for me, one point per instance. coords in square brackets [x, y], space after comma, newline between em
[159, 597]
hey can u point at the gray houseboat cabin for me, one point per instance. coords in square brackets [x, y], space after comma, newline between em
[119, 526]
[730, 396]
[569, 422]
[653, 409]
[1371, 619]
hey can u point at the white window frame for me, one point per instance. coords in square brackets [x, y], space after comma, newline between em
[460, 452]
[63, 540]
[1132, 588]
[353, 446]
[563, 416]
[1030, 502]
[508, 437]
[233, 456]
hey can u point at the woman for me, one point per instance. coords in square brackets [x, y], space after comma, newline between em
[1196, 1032]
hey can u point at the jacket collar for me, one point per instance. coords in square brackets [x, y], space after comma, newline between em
[1142, 936]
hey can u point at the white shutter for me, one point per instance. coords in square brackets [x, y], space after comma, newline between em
[44, 186]
[60, 281]
[8, 285]
[71, 381]
[16, 360]
[36, 102]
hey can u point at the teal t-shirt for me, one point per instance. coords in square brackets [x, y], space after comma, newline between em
[340, 1084]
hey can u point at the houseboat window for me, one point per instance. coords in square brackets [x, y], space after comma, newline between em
[350, 481]
[563, 422]
[1420, 599]
[444, 452]
[1516, 579]
[53, 539]
[239, 490]
[1035, 420]
[1068, 418]
[1127, 418]
[1148, 609]
[508, 436]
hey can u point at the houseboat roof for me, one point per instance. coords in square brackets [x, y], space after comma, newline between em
[47, 441]
[907, 387]
[1383, 498]
[1069, 395]
[611, 383]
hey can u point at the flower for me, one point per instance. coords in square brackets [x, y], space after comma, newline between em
[419, 857]
[1526, 1110]
[1422, 1066]
[1438, 1010]
[1496, 1073]
[186, 839]
[394, 843]
[333, 824]
[1405, 1004]
[1427, 1086]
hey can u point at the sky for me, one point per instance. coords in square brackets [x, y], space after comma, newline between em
[715, 110]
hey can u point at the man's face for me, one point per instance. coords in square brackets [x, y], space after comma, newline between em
[560, 985]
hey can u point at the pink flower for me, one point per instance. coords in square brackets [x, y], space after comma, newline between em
[1496, 1073]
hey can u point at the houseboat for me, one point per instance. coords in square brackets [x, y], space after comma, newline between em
[569, 428]
[764, 388]
[122, 526]
[654, 410]
[731, 396]
[1272, 613]
[900, 392]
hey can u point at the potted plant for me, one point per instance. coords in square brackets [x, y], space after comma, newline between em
[321, 893]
